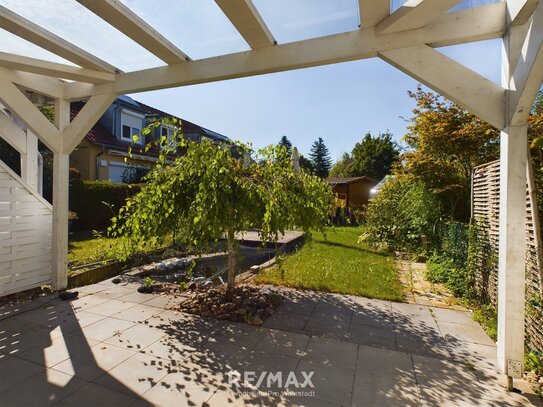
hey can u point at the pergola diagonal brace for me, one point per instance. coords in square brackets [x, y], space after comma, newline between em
[247, 20]
[414, 14]
[134, 27]
[453, 80]
[50, 87]
[10, 132]
[528, 75]
[373, 12]
[35, 120]
[26, 29]
[520, 11]
[85, 119]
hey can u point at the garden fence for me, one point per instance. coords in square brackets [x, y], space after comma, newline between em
[485, 217]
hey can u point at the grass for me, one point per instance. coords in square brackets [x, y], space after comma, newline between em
[85, 250]
[338, 264]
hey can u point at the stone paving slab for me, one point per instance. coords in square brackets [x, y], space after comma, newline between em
[116, 347]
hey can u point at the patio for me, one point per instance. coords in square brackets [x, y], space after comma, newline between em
[116, 346]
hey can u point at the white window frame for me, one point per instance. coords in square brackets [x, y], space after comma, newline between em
[171, 131]
[133, 130]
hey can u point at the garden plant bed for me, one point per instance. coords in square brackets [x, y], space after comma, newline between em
[245, 303]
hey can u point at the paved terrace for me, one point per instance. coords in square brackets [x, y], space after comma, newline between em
[116, 347]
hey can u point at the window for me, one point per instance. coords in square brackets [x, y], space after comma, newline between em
[168, 132]
[131, 125]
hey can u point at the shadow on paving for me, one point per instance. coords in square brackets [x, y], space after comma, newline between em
[42, 333]
[363, 352]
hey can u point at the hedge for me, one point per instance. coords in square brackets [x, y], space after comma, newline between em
[94, 203]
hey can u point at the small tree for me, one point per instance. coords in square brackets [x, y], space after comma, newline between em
[320, 158]
[214, 191]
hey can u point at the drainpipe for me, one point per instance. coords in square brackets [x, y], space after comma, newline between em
[98, 162]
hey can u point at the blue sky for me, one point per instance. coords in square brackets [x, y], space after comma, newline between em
[339, 103]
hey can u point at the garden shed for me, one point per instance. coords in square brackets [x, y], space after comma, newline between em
[351, 192]
[405, 37]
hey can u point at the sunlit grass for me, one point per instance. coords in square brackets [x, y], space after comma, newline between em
[338, 264]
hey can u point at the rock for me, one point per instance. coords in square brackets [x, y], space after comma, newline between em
[256, 321]
[116, 280]
[192, 286]
[241, 311]
[228, 306]
[269, 310]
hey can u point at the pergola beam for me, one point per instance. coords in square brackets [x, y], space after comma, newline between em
[26, 29]
[414, 14]
[528, 73]
[35, 120]
[373, 12]
[247, 20]
[453, 80]
[53, 69]
[134, 27]
[453, 28]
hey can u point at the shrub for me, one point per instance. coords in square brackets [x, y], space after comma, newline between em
[402, 212]
[441, 269]
[96, 202]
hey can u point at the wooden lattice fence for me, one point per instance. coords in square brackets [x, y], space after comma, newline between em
[485, 215]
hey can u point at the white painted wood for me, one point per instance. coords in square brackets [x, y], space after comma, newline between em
[29, 161]
[373, 12]
[247, 20]
[26, 29]
[24, 263]
[61, 167]
[528, 74]
[49, 87]
[85, 119]
[512, 248]
[56, 70]
[35, 120]
[414, 14]
[134, 27]
[453, 80]
[476, 24]
[520, 11]
[12, 133]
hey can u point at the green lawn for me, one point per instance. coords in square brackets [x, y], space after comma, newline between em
[86, 249]
[338, 264]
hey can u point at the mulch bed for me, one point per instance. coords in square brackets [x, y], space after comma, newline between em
[245, 303]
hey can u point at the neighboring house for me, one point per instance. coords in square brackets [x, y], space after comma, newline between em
[104, 152]
[351, 192]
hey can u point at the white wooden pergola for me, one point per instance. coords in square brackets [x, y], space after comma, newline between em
[405, 38]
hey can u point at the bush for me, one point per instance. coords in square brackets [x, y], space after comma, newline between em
[400, 214]
[96, 202]
[441, 269]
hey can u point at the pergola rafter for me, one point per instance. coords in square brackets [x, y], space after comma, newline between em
[26, 29]
[134, 27]
[405, 39]
[414, 14]
[247, 20]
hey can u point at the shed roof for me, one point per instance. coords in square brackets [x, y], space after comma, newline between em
[348, 180]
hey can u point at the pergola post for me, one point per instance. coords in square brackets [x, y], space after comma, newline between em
[512, 250]
[61, 167]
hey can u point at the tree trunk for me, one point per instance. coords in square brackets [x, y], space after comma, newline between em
[231, 260]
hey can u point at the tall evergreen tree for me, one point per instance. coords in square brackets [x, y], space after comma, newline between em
[320, 158]
[285, 142]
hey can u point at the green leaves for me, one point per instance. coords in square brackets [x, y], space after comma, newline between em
[199, 195]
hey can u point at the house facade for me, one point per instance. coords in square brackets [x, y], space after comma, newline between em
[104, 152]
